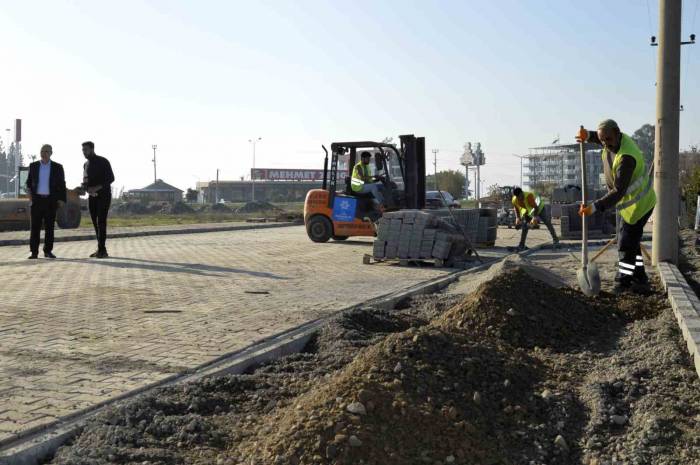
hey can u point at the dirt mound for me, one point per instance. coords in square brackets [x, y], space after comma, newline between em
[177, 208]
[420, 396]
[131, 208]
[258, 207]
[523, 312]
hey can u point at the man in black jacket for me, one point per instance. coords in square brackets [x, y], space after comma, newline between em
[97, 180]
[46, 185]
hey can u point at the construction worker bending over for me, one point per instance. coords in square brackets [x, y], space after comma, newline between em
[363, 183]
[630, 192]
[529, 209]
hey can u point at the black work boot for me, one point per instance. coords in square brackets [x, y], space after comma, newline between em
[623, 283]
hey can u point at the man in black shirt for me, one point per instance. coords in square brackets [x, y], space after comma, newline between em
[97, 180]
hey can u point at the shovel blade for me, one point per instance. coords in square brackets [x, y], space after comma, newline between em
[589, 280]
[594, 278]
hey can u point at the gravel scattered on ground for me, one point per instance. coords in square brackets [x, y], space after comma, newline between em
[515, 373]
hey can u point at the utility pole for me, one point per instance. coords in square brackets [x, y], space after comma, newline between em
[435, 152]
[479, 160]
[155, 177]
[216, 191]
[252, 172]
[665, 236]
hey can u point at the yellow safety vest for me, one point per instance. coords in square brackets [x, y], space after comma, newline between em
[524, 208]
[640, 197]
[360, 175]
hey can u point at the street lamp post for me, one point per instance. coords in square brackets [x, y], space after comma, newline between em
[154, 147]
[252, 176]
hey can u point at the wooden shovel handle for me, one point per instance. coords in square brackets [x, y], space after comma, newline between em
[600, 252]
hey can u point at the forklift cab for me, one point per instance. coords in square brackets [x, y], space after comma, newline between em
[336, 211]
[380, 169]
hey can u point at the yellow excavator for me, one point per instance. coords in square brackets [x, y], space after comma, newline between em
[15, 212]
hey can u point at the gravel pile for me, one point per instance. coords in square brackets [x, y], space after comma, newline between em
[514, 373]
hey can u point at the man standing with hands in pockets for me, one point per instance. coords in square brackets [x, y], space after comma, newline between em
[97, 180]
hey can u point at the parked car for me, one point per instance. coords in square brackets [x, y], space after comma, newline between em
[433, 199]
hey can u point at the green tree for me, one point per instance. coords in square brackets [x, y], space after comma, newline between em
[449, 180]
[191, 195]
[645, 138]
[494, 190]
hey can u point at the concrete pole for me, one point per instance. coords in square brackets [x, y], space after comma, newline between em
[478, 186]
[665, 238]
[466, 181]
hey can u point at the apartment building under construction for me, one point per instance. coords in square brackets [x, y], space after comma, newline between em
[560, 165]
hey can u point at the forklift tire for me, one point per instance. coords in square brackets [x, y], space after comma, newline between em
[319, 229]
[339, 238]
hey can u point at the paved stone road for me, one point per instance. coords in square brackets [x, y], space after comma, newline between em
[78, 331]
[17, 237]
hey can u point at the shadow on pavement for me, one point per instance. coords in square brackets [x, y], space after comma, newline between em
[172, 267]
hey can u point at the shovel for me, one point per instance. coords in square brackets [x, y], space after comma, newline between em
[588, 275]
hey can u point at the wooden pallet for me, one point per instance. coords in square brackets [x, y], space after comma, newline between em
[436, 262]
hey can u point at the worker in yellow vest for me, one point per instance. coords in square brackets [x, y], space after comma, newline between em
[529, 210]
[363, 182]
[631, 192]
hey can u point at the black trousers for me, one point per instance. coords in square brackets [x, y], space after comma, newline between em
[99, 207]
[43, 210]
[631, 264]
[546, 219]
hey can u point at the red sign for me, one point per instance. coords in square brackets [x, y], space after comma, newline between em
[275, 174]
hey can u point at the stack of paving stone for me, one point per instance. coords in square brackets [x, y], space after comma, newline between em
[465, 219]
[488, 226]
[415, 234]
[600, 224]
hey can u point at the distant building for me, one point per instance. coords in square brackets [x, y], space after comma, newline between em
[268, 191]
[271, 185]
[159, 191]
[560, 165]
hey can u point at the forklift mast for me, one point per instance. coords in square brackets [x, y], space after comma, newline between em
[413, 151]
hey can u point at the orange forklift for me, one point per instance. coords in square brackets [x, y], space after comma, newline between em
[336, 212]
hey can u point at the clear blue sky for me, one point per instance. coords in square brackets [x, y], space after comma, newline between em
[201, 78]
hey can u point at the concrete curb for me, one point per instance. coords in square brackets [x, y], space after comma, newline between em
[686, 307]
[162, 232]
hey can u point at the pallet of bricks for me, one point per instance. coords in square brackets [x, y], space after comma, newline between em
[413, 235]
[600, 224]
